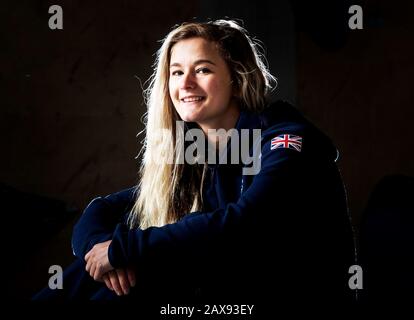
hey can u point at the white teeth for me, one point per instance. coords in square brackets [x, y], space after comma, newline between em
[191, 99]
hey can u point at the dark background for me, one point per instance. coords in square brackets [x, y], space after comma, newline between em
[71, 102]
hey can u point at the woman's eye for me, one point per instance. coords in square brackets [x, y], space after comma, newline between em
[203, 70]
[176, 73]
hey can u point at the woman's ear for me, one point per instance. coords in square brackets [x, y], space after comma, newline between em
[235, 89]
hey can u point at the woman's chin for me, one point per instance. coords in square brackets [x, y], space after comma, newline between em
[190, 118]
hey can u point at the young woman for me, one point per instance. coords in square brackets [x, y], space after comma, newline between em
[256, 204]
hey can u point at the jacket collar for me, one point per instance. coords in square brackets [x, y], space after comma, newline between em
[247, 120]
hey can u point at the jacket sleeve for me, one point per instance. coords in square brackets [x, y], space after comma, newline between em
[200, 233]
[99, 220]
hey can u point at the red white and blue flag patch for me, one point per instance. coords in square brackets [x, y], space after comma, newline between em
[287, 141]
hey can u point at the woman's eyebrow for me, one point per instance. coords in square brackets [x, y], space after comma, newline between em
[200, 61]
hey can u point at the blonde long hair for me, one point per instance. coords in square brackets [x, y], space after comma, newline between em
[167, 191]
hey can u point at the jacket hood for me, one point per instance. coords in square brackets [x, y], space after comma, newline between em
[281, 117]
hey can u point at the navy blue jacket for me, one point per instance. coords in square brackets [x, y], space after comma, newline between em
[286, 227]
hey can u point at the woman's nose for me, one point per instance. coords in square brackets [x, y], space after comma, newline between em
[188, 81]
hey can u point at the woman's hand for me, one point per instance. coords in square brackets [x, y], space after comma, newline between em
[97, 261]
[120, 280]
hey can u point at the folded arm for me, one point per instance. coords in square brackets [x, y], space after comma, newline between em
[99, 219]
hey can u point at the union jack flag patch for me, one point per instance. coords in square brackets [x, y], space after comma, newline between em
[287, 141]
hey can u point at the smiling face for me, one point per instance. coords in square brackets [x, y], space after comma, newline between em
[200, 85]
